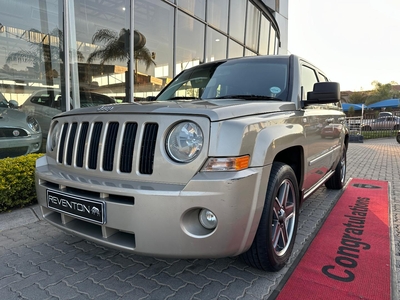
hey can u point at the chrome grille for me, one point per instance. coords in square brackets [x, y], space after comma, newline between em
[109, 146]
[81, 144]
[147, 149]
[62, 143]
[95, 145]
[71, 143]
[128, 143]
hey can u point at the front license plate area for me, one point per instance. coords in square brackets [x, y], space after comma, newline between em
[80, 207]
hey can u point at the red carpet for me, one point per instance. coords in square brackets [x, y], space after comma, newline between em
[350, 256]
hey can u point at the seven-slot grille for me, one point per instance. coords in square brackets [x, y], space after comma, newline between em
[84, 144]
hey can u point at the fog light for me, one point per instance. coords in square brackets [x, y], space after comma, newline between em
[208, 219]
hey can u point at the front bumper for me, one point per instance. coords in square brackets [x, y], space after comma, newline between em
[20, 145]
[162, 219]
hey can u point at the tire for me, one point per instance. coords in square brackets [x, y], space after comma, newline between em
[276, 233]
[398, 137]
[338, 179]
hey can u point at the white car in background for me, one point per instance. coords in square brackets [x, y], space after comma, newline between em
[382, 123]
[19, 134]
[46, 103]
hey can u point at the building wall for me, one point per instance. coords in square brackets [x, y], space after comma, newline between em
[170, 36]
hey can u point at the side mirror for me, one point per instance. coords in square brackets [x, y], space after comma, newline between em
[13, 104]
[323, 93]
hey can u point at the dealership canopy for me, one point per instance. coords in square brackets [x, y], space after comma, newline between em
[346, 106]
[381, 104]
[385, 103]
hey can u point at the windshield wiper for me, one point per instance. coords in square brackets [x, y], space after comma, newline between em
[248, 97]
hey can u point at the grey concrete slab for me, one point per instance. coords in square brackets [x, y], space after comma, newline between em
[40, 261]
[19, 217]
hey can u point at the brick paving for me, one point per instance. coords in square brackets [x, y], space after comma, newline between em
[39, 261]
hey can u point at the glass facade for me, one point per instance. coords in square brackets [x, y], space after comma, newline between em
[44, 42]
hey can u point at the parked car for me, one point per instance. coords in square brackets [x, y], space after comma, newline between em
[382, 123]
[385, 114]
[216, 165]
[19, 134]
[46, 103]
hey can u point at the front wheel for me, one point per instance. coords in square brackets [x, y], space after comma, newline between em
[337, 180]
[398, 137]
[276, 233]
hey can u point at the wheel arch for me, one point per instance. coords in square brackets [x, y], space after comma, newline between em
[294, 157]
[281, 144]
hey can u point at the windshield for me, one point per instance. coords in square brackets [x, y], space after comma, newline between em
[250, 79]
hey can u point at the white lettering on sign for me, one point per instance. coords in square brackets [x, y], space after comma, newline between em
[70, 204]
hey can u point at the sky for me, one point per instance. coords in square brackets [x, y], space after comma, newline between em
[355, 42]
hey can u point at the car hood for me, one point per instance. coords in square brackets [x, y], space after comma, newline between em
[12, 116]
[215, 110]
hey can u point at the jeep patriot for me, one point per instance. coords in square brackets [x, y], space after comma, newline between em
[216, 165]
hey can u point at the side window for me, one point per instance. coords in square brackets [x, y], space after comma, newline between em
[42, 100]
[309, 77]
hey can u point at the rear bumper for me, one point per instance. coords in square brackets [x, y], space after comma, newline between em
[162, 220]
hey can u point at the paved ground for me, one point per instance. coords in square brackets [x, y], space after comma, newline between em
[39, 261]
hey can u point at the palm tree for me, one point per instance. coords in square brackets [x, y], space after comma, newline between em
[116, 47]
[38, 50]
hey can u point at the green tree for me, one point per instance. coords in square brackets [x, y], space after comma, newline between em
[351, 111]
[116, 47]
[358, 97]
[41, 52]
[381, 92]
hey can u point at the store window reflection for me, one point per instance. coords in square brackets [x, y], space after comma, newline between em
[264, 36]
[235, 49]
[249, 53]
[196, 7]
[31, 53]
[31, 48]
[155, 20]
[217, 14]
[168, 36]
[237, 19]
[272, 42]
[252, 27]
[189, 42]
[216, 45]
[102, 32]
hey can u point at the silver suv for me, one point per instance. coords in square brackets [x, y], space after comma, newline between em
[217, 165]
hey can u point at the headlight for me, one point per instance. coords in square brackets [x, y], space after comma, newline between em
[184, 142]
[33, 124]
[54, 135]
